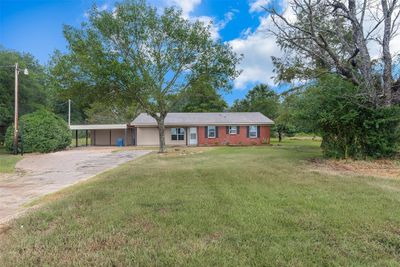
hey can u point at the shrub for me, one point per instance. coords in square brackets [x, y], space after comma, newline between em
[350, 126]
[42, 131]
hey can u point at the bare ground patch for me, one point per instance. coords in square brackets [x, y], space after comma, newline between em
[389, 169]
[185, 151]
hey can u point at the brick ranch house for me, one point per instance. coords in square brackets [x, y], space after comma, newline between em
[185, 129]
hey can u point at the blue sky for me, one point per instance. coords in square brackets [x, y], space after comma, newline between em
[35, 26]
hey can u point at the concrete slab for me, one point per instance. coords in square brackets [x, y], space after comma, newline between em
[41, 174]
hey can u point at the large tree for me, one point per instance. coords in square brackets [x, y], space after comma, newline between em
[135, 53]
[262, 99]
[201, 97]
[100, 112]
[351, 38]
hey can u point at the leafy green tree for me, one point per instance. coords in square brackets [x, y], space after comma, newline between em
[137, 54]
[262, 99]
[282, 129]
[287, 122]
[349, 125]
[103, 113]
[201, 97]
[41, 131]
[32, 92]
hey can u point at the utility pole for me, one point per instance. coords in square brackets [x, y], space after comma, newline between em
[69, 112]
[15, 140]
[16, 111]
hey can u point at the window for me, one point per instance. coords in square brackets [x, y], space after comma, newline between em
[211, 131]
[253, 131]
[232, 129]
[177, 134]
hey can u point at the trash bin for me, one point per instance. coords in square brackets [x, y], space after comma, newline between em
[120, 142]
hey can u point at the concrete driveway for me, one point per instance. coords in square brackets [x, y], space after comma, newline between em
[38, 175]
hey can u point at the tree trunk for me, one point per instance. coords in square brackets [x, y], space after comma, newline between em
[387, 57]
[161, 132]
[363, 58]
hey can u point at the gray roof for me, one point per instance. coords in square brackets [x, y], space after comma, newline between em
[205, 118]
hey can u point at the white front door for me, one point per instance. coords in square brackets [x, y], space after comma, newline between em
[193, 136]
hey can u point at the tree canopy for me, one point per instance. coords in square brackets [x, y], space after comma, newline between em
[101, 113]
[138, 54]
[334, 108]
[32, 87]
[350, 38]
[201, 97]
[262, 99]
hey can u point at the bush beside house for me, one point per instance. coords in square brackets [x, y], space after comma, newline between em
[42, 131]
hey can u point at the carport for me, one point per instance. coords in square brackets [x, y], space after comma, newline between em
[105, 134]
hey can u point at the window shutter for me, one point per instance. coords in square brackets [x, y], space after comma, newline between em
[206, 131]
[238, 129]
[258, 131]
[216, 131]
[227, 129]
[248, 131]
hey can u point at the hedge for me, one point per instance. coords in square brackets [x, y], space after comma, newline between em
[42, 131]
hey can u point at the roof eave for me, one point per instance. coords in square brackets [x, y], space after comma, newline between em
[201, 124]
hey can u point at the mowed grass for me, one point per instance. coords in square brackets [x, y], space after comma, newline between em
[8, 161]
[228, 206]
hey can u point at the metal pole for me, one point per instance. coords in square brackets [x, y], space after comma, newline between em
[16, 111]
[125, 140]
[69, 112]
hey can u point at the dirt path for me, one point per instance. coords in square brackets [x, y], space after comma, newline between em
[38, 175]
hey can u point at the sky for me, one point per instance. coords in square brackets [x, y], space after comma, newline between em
[35, 26]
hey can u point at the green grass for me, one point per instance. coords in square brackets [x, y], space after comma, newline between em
[228, 206]
[8, 161]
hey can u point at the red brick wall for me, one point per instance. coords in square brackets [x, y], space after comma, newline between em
[234, 139]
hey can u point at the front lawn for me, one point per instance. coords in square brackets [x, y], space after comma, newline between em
[230, 206]
[8, 161]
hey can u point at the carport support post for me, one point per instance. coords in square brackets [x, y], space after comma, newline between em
[76, 137]
[86, 137]
[125, 137]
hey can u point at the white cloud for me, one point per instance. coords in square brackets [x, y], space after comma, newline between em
[216, 25]
[257, 48]
[256, 5]
[102, 7]
[187, 6]
[227, 18]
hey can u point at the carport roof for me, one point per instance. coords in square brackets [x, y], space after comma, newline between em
[205, 118]
[98, 126]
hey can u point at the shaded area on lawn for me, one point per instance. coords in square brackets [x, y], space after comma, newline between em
[224, 206]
